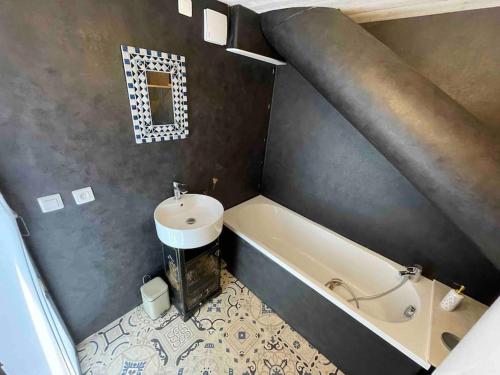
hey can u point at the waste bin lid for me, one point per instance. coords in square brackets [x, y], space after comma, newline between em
[153, 289]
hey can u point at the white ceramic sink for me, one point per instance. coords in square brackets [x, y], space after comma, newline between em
[194, 220]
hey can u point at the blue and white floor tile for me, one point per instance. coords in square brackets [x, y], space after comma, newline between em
[233, 334]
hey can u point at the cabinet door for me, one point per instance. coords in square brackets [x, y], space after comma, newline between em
[202, 277]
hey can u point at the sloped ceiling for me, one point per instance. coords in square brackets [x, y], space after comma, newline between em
[442, 149]
[372, 10]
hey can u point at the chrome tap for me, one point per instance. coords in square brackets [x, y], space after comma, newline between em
[179, 190]
[413, 273]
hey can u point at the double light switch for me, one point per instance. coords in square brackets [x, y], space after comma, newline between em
[50, 203]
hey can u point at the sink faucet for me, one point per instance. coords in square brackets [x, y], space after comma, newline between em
[179, 190]
[413, 273]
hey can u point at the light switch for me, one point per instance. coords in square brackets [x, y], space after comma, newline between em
[50, 203]
[84, 195]
[215, 30]
[185, 7]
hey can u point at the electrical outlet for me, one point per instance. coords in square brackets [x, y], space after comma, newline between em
[84, 195]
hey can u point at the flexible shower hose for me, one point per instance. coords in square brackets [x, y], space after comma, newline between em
[339, 282]
[378, 295]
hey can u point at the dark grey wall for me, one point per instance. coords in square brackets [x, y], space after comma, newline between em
[457, 51]
[65, 124]
[320, 166]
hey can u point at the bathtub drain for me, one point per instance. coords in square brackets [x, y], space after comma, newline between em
[410, 311]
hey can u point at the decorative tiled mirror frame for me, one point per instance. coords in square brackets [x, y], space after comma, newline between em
[136, 62]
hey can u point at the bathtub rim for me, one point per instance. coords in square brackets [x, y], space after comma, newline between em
[420, 359]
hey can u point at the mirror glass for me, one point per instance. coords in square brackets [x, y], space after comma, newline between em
[160, 97]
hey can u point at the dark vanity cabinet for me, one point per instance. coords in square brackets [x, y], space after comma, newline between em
[193, 276]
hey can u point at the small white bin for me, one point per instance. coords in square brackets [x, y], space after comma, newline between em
[155, 300]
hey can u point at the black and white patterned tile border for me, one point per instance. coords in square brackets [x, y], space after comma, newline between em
[136, 62]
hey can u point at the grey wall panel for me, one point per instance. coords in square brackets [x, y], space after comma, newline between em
[320, 166]
[65, 124]
[244, 33]
[439, 146]
[457, 51]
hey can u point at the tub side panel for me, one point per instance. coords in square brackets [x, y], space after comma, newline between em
[343, 340]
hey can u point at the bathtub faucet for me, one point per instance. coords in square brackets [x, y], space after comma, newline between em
[179, 190]
[413, 273]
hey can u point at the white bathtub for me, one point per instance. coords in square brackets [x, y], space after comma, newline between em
[315, 255]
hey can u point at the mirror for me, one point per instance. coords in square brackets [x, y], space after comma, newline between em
[157, 93]
[160, 97]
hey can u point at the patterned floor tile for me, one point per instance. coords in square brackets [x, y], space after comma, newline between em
[232, 334]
